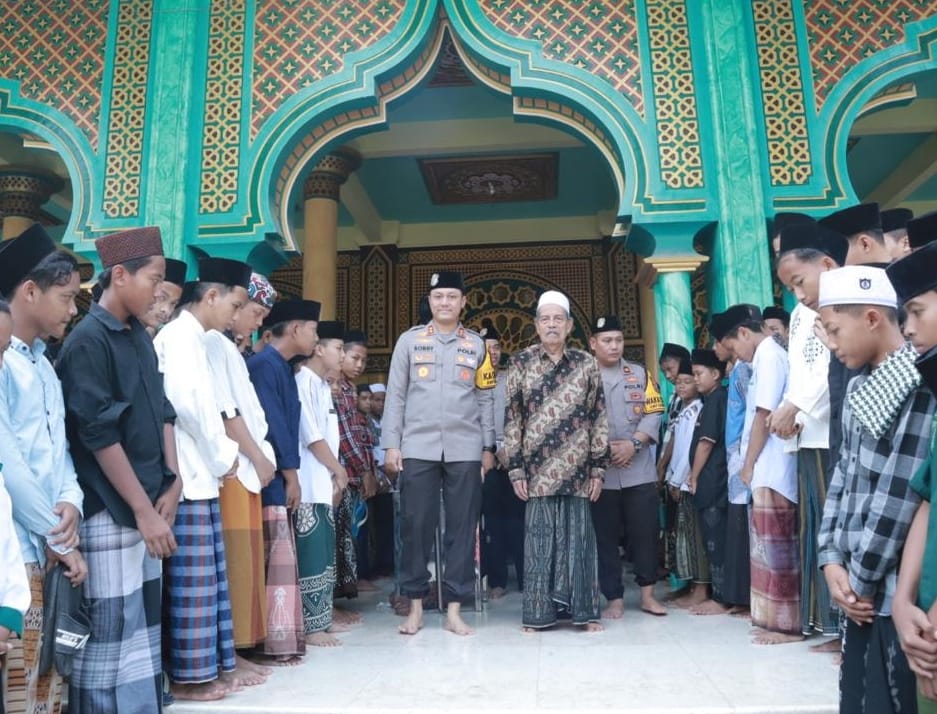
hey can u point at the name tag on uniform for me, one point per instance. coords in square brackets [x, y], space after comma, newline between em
[635, 396]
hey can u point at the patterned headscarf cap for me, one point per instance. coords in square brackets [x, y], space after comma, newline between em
[261, 291]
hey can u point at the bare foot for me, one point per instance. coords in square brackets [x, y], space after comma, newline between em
[615, 610]
[766, 637]
[740, 612]
[322, 639]
[241, 677]
[456, 625]
[834, 646]
[497, 593]
[367, 586]
[413, 623]
[244, 663]
[529, 630]
[338, 627]
[206, 692]
[346, 617]
[278, 660]
[649, 603]
[592, 627]
[710, 607]
[837, 659]
[693, 598]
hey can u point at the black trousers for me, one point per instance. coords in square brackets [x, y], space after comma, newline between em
[381, 512]
[634, 510]
[874, 677]
[419, 515]
[502, 530]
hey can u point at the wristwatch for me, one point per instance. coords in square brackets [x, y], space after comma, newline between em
[489, 449]
[638, 444]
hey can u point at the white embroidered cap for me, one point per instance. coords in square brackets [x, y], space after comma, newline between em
[857, 285]
[554, 297]
[377, 388]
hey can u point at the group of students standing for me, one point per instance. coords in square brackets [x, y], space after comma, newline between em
[198, 492]
[815, 516]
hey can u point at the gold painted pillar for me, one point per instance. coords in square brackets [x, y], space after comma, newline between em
[22, 192]
[320, 217]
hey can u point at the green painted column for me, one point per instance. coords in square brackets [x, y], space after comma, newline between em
[174, 123]
[673, 310]
[740, 260]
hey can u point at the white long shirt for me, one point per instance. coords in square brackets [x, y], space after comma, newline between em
[318, 420]
[234, 386]
[775, 467]
[808, 384]
[14, 584]
[205, 452]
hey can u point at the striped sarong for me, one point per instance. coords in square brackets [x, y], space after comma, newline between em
[817, 614]
[775, 559]
[119, 669]
[690, 550]
[315, 554]
[199, 634]
[242, 520]
[346, 556]
[560, 562]
[285, 635]
[27, 692]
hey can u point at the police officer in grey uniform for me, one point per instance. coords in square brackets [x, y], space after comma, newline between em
[438, 431]
[629, 497]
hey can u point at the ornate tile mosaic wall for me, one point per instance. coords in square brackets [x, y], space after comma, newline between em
[600, 37]
[123, 162]
[55, 50]
[782, 91]
[224, 94]
[842, 33]
[674, 89]
[297, 42]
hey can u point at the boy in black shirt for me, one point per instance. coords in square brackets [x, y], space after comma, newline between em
[120, 427]
[708, 481]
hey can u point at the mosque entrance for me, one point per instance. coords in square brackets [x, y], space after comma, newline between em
[455, 179]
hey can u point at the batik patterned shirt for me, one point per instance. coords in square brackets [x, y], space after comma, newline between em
[356, 450]
[556, 428]
[869, 504]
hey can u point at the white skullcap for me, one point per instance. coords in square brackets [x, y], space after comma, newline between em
[856, 285]
[554, 297]
[376, 388]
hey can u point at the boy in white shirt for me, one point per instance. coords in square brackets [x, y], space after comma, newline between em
[199, 633]
[322, 480]
[772, 474]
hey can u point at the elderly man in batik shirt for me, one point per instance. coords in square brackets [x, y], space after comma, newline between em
[556, 440]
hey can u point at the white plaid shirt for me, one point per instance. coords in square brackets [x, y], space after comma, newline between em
[869, 504]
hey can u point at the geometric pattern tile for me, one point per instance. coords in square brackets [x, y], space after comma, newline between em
[297, 42]
[55, 49]
[224, 90]
[123, 163]
[782, 91]
[600, 36]
[674, 88]
[842, 33]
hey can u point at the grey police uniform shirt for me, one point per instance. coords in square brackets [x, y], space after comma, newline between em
[624, 403]
[432, 410]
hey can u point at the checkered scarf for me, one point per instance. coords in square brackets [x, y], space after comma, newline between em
[879, 398]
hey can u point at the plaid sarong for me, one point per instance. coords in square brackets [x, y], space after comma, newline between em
[775, 557]
[27, 692]
[199, 632]
[119, 670]
[315, 553]
[285, 635]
